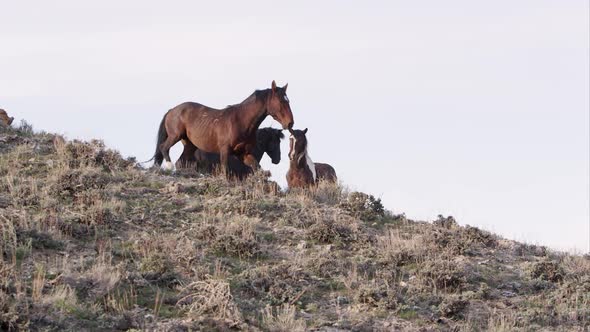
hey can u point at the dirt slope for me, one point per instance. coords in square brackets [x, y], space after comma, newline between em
[90, 241]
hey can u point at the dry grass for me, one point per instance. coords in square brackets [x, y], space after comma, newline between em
[502, 322]
[121, 301]
[210, 297]
[401, 248]
[282, 319]
[38, 283]
[62, 298]
[89, 241]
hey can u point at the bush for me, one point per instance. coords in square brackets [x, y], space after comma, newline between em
[330, 231]
[236, 238]
[282, 319]
[155, 265]
[210, 297]
[547, 270]
[453, 307]
[442, 274]
[78, 154]
[363, 206]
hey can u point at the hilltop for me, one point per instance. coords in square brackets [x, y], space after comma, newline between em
[91, 241]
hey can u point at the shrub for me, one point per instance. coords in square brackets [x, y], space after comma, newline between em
[330, 231]
[453, 307]
[363, 206]
[442, 274]
[210, 297]
[282, 319]
[547, 270]
[155, 265]
[237, 238]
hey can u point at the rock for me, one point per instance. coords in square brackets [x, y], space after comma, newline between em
[302, 245]
[124, 323]
[173, 188]
[341, 300]
[4, 202]
[508, 294]
[305, 315]
[8, 138]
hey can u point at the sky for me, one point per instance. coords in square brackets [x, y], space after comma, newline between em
[475, 109]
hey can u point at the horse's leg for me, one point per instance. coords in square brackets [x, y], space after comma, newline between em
[172, 139]
[187, 159]
[238, 168]
[223, 160]
[250, 161]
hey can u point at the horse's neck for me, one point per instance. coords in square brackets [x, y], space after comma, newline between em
[252, 112]
[303, 162]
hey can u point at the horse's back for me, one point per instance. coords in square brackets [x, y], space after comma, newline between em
[203, 126]
[189, 107]
[325, 172]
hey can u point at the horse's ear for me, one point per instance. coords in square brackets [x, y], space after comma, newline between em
[305, 131]
[285, 87]
[274, 86]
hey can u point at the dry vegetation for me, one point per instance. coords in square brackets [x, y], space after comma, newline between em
[90, 241]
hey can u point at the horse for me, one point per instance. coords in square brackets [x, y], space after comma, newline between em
[5, 119]
[268, 140]
[325, 172]
[228, 131]
[303, 172]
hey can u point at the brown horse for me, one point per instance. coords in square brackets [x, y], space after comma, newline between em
[268, 140]
[5, 119]
[303, 172]
[325, 172]
[229, 131]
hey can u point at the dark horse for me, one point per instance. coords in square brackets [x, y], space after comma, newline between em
[303, 172]
[268, 140]
[230, 131]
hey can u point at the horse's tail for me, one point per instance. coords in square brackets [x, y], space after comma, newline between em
[162, 136]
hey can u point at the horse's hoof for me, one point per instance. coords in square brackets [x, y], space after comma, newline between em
[168, 166]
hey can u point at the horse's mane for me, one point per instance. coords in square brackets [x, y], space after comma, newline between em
[264, 133]
[261, 94]
[258, 94]
[304, 156]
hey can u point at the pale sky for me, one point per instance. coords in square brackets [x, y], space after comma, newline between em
[476, 109]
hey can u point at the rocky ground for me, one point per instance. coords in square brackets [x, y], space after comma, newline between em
[89, 241]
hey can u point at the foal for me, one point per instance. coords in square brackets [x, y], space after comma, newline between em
[303, 172]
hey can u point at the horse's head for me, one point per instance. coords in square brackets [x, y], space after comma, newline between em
[297, 144]
[269, 141]
[278, 106]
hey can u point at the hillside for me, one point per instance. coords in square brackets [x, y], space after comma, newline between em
[91, 241]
